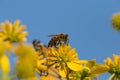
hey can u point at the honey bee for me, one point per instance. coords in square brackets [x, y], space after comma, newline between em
[58, 39]
[40, 47]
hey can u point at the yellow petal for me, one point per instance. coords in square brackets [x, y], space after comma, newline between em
[99, 69]
[91, 63]
[81, 61]
[23, 39]
[31, 78]
[88, 78]
[53, 52]
[1, 39]
[63, 72]
[74, 66]
[5, 64]
[72, 53]
[3, 36]
[41, 61]
[52, 58]
[40, 66]
[37, 71]
[22, 35]
[16, 24]
[9, 26]
[3, 28]
[108, 62]
[86, 68]
[46, 78]
[22, 27]
[115, 58]
[60, 50]
[67, 48]
[40, 57]
[3, 47]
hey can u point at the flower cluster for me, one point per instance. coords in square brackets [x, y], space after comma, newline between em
[12, 32]
[114, 66]
[59, 61]
[116, 21]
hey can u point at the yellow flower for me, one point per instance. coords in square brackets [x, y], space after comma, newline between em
[4, 61]
[40, 63]
[4, 64]
[64, 57]
[26, 62]
[114, 65]
[91, 70]
[12, 32]
[116, 21]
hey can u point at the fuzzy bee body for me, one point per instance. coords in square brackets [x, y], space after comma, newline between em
[40, 47]
[58, 39]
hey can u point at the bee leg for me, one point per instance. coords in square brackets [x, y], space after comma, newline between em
[60, 42]
[55, 44]
[49, 44]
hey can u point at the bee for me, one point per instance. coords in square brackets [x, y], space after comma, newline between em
[40, 47]
[58, 39]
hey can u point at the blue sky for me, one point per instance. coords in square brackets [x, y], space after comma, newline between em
[88, 23]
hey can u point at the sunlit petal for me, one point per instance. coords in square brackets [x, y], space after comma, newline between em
[74, 66]
[5, 65]
[99, 69]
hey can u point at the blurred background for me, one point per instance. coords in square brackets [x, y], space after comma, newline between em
[88, 24]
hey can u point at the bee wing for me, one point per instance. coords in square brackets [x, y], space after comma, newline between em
[44, 49]
[52, 72]
[52, 35]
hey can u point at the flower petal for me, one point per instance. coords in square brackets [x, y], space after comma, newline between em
[91, 63]
[5, 64]
[22, 27]
[115, 58]
[16, 24]
[9, 27]
[108, 62]
[81, 61]
[74, 66]
[99, 69]
[63, 72]
[3, 28]
[72, 53]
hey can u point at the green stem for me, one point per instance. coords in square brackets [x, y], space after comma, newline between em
[8, 52]
[111, 77]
